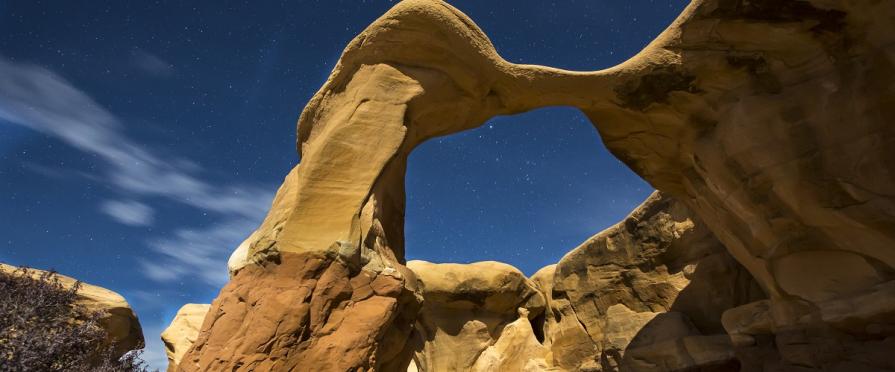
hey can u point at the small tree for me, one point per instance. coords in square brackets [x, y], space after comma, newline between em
[43, 328]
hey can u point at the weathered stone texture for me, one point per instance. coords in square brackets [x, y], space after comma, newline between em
[646, 294]
[770, 120]
[476, 317]
[308, 311]
[181, 334]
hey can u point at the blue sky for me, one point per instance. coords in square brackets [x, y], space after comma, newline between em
[141, 142]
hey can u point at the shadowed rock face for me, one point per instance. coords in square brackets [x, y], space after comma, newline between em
[646, 294]
[770, 120]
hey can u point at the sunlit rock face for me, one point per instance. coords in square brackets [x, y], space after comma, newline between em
[181, 334]
[770, 120]
[476, 317]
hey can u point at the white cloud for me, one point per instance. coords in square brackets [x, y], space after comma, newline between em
[41, 100]
[197, 252]
[151, 63]
[37, 98]
[128, 212]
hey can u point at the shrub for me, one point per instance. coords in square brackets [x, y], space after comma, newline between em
[43, 328]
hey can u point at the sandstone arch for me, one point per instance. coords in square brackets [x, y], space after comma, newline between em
[769, 119]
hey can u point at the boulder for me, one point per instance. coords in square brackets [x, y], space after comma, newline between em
[117, 319]
[517, 349]
[476, 317]
[183, 331]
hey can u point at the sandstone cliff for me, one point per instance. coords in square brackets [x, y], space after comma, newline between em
[770, 120]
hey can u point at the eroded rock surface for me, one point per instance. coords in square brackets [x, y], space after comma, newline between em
[476, 317]
[118, 319]
[646, 294]
[308, 309]
[770, 120]
[181, 334]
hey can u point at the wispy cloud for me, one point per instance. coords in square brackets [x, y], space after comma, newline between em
[197, 250]
[151, 64]
[128, 212]
[41, 100]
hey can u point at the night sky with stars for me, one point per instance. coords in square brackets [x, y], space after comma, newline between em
[141, 141]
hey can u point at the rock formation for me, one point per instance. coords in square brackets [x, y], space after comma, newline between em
[770, 120]
[181, 334]
[647, 294]
[476, 317]
[312, 309]
[118, 319]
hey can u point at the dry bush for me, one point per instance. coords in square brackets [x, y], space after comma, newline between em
[43, 328]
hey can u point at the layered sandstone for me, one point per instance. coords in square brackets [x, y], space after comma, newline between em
[181, 334]
[646, 294]
[476, 317]
[770, 120]
[116, 316]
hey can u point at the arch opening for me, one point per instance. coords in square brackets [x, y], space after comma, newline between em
[522, 189]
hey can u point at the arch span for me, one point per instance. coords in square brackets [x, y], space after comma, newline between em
[770, 120]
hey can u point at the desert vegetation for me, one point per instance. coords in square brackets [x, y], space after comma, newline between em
[44, 328]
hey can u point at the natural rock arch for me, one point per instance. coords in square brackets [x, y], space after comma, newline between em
[520, 189]
[769, 119]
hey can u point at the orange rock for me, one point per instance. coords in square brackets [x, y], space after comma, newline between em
[300, 312]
